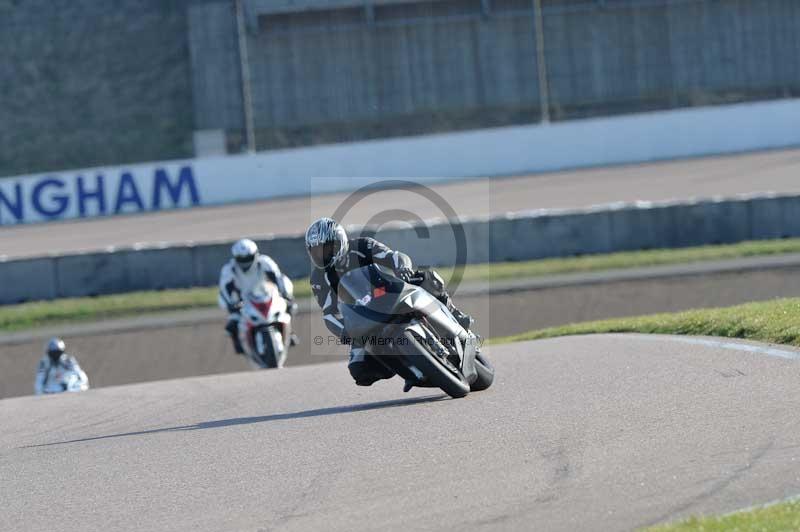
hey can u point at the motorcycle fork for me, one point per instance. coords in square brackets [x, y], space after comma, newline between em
[445, 351]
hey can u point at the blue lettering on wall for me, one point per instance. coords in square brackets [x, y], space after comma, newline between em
[15, 207]
[87, 194]
[128, 193]
[185, 179]
[97, 194]
[61, 201]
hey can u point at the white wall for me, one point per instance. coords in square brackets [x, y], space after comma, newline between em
[426, 159]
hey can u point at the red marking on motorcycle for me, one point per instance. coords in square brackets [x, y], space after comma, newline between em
[263, 308]
[378, 292]
[251, 341]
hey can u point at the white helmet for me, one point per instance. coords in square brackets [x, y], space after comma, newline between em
[55, 348]
[244, 252]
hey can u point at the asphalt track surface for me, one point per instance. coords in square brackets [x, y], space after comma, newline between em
[586, 433]
[192, 343]
[775, 171]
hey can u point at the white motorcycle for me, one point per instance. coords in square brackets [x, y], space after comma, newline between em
[66, 380]
[265, 329]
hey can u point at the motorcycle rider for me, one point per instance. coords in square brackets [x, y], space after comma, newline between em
[332, 253]
[246, 268]
[55, 359]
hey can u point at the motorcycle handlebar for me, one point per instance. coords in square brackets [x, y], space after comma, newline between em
[417, 278]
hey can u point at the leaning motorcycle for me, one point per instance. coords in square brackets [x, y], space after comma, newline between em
[265, 327]
[410, 331]
[66, 380]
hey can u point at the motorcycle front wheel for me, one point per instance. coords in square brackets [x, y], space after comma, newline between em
[269, 348]
[437, 370]
[485, 374]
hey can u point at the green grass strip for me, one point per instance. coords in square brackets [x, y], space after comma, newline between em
[38, 314]
[629, 259]
[776, 321]
[42, 313]
[784, 517]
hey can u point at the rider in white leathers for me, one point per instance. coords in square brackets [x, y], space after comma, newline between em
[56, 359]
[246, 269]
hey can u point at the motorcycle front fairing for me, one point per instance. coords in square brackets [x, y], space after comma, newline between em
[264, 306]
[446, 326]
[371, 297]
[66, 380]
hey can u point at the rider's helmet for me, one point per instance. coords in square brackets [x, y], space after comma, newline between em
[244, 252]
[55, 348]
[326, 243]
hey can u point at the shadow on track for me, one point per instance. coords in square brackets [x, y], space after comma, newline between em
[263, 419]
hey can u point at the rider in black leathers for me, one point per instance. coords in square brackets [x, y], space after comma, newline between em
[332, 253]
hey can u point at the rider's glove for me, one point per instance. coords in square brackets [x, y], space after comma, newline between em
[405, 274]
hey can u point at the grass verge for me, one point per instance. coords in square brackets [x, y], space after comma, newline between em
[629, 259]
[774, 321]
[38, 314]
[784, 517]
[73, 310]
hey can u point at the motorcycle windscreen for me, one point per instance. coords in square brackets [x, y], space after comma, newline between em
[369, 296]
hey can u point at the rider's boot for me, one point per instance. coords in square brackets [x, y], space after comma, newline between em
[434, 284]
[293, 340]
[232, 328]
[465, 320]
[237, 345]
[365, 369]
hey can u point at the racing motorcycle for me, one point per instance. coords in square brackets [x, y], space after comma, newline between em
[410, 331]
[266, 326]
[68, 379]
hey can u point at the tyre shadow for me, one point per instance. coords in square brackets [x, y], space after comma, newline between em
[220, 423]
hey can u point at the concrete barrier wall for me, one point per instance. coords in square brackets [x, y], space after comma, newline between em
[521, 236]
[111, 191]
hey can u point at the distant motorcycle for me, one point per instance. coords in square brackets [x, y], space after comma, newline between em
[410, 331]
[266, 326]
[66, 380]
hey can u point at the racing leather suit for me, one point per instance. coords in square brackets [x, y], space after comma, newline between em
[324, 284]
[234, 283]
[47, 373]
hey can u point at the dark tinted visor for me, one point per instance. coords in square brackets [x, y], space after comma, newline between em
[322, 256]
[245, 262]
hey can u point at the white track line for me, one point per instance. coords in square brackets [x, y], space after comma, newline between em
[721, 344]
[791, 498]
